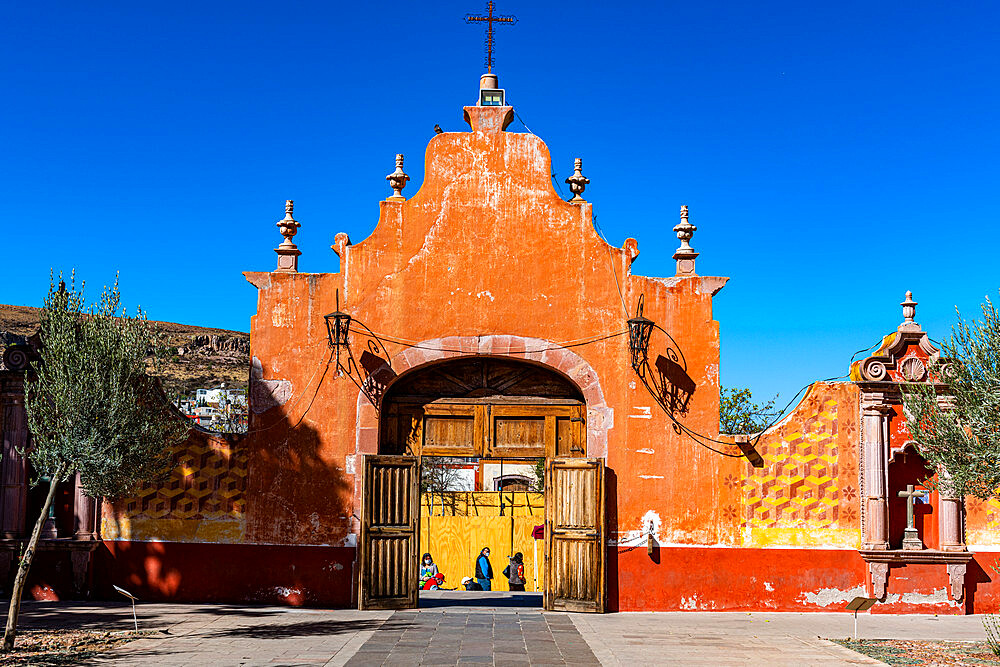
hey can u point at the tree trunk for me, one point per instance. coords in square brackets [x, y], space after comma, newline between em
[25, 566]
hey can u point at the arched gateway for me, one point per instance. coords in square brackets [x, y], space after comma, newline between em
[487, 407]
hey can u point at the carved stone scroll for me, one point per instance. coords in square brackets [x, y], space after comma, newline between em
[956, 576]
[880, 579]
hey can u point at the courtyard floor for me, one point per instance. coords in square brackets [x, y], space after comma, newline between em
[492, 629]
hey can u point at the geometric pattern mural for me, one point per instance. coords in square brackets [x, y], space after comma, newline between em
[799, 484]
[208, 482]
[982, 515]
[993, 514]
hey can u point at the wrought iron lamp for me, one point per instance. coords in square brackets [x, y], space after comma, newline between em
[639, 330]
[338, 326]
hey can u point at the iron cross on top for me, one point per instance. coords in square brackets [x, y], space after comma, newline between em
[490, 19]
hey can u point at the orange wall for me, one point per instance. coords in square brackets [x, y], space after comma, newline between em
[485, 247]
[485, 250]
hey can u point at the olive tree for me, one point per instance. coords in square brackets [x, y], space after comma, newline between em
[955, 422]
[92, 407]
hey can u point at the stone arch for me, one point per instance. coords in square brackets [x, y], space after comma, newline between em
[600, 417]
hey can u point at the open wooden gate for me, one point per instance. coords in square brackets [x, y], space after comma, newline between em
[574, 534]
[390, 517]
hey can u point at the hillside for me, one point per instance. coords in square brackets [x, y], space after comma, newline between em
[199, 356]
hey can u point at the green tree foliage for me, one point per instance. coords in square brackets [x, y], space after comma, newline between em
[956, 425]
[92, 407]
[538, 473]
[739, 415]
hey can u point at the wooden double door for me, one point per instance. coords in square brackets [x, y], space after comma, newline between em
[574, 495]
[497, 428]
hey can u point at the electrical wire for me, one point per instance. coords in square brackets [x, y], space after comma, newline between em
[854, 356]
[555, 346]
[518, 116]
[781, 415]
[555, 181]
[286, 419]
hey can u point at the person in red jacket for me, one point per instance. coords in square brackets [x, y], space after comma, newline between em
[434, 583]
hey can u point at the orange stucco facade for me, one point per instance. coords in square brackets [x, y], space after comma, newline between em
[485, 259]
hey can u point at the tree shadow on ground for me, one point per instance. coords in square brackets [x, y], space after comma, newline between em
[116, 616]
[304, 629]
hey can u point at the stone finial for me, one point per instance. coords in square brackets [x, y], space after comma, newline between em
[577, 182]
[909, 308]
[397, 180]
[685, 254]
[909, 312]
[288, 252]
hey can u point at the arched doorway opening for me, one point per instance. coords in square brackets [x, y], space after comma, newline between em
[483, 406]
[483, 451]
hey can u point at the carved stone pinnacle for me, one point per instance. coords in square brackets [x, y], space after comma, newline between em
[288, 252]
[685, 254]
[909, 308]
[577, 182]
[288, 226]
[397, 180]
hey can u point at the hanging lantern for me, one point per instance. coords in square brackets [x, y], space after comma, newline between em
[338, 326]
[639, 330]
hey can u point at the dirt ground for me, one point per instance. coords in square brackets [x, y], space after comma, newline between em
[913, 652]
[64, 647]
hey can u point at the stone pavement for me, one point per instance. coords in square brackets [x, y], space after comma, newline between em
[504, 637]
[491, 629]
[740, 638]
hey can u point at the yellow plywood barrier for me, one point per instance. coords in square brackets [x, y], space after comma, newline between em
[455, 541]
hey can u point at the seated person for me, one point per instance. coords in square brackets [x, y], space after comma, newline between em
[471, 584]
[434, 583]
[428, 569]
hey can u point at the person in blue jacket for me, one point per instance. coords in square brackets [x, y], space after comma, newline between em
[484, 571]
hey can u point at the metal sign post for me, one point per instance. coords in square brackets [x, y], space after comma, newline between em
[860, 604]
[133, 599]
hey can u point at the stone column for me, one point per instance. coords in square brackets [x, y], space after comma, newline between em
[13, 466]
[84, 513]
[875, 439]
[951, 514]
[951, 517]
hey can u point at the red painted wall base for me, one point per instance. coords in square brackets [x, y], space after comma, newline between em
[730, 579]
[671, 579]
[262, 574]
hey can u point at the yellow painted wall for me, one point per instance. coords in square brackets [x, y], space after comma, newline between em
[203, 500]
[806, 495]
[982, 521]
[473, 521]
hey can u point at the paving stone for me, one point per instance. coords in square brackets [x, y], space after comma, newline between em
[223, 635]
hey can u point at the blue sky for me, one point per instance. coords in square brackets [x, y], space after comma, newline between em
[833, 155]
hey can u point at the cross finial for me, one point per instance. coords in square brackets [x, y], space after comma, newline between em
[490, 19]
